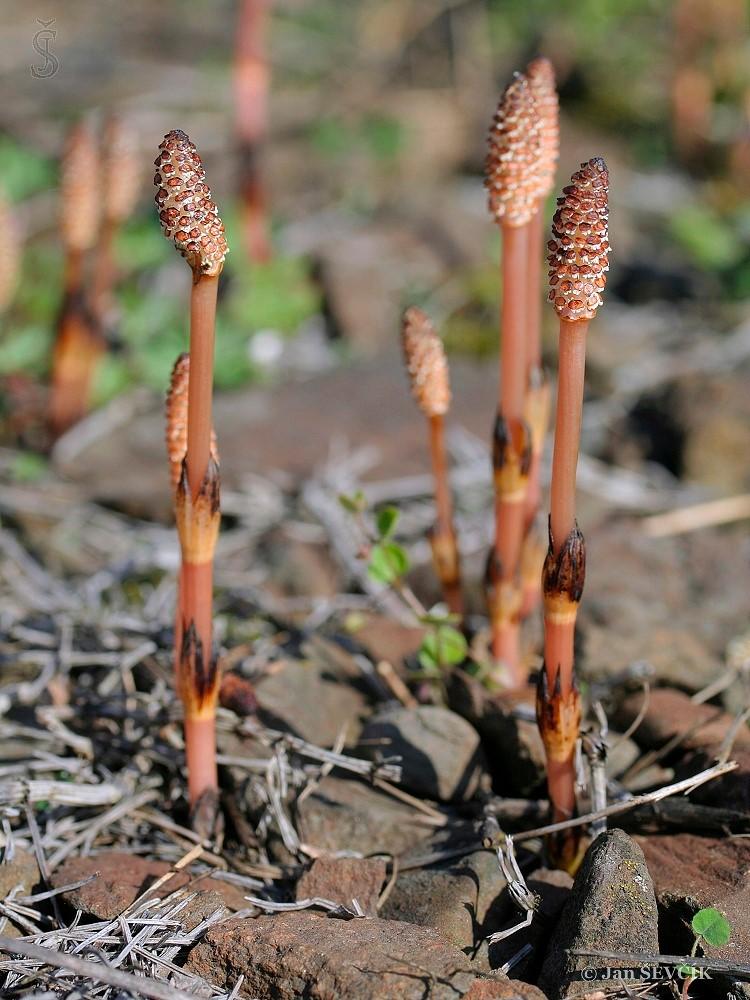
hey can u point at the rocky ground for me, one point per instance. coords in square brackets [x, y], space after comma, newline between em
[363, 851]
[380, 837]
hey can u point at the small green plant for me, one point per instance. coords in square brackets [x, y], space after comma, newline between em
[710, 928]
[443, 646]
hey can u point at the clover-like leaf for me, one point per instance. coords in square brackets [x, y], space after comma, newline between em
[388, 562]
[386, 521]
[712, 926]
[442, 647]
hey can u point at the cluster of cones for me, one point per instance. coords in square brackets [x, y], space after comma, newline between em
[520, 174]
[98, 191]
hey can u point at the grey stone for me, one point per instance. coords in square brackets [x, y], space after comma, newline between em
[313, 698]
[348, 815]
[458, 899]
[505, 737]
[441, 758]
[612, 907]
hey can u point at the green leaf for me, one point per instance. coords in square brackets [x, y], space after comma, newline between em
[354, 504]
[712, 926]
[687, 971]
[388, 562]
[707, 237]
[442, 647]
[386, 521]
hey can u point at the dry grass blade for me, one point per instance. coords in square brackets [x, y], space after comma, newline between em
[92, 970]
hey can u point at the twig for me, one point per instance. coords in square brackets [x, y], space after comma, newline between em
[334, 909]
[686, 785]
[702, 515]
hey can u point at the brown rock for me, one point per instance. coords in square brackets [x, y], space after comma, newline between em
[343, 880]
[386, 639]
[671, 713]
[348, 815]
[123, 877]
[289, 955]
[703, 729]
[640, 600]
[298, 568]
[503, 989]
[463, 900]
[21, 873]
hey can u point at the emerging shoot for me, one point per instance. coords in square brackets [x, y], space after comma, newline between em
[511, 180]
[578, 259]
[120, 183]
[428, 373]
[78, 342]
[251, 86]
[541, 76]
[191, 220]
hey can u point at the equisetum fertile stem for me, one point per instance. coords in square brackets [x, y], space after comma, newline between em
[78, 341]
[190, 218]
[443, 536]
[427, 367]
[251, 87]
[578, 264]
[541, 77]
[511, 181]
[120, 190]
[176, 440]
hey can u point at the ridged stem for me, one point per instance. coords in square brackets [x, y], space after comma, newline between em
[251, 87]
[509, 506]
[534, 298]
[513, 322]
[568, 415]
[104, 268]
[444, 541]
[200, 385]
[200, 754]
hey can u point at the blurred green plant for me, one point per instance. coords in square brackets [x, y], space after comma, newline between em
[710, 240]
[443, 645]
[24, 171]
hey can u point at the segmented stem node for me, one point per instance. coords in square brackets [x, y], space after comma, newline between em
[578, 251]
[188, 214]
[426, 363]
